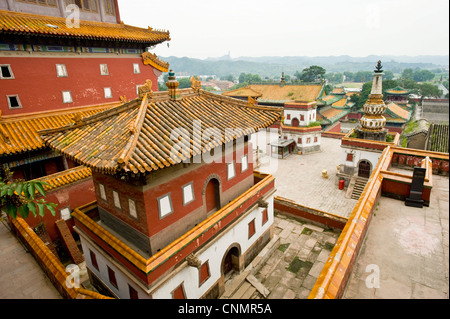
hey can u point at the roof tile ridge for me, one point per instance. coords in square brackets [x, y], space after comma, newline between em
[90, 119]
[135, 129]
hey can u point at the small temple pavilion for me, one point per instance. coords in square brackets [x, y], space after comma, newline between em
[362, 146]
[178, 204]
[300, 132]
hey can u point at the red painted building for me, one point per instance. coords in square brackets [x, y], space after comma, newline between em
[178, 204]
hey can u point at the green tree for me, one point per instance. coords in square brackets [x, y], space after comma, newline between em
[429, 90]
[408, 74]
[423, 75]
[312, 74]
[18, 198]
[388, 75]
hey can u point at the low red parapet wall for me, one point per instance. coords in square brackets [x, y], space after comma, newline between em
[411, 158]
[333, 134]
[288, 207]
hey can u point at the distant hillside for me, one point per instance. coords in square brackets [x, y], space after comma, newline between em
[273, 66]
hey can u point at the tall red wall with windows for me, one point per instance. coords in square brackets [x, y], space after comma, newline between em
[148, 221]
[39, 88]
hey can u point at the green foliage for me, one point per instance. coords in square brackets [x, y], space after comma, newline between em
[19, 198]
[249, 78]
[314, 73]
[312, 124]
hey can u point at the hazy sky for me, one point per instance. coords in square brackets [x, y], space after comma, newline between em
[210, 28]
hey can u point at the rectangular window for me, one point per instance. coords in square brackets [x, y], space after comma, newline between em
[299, 140]
[204, 273]
[265, 216]
[65, 213]
[13, 102]
[308, 140]
[133, 293]
[50, 3]
[315, 139]
[116, 200]
[288, 116]
[251, 229]
[67, 97]
[165, 206]
[108, 93]
[112, 277]
[85, 5]
[136, 69]
[244, 163]
[102, 192]
[302, 117]
[132, 208]
[188, 193]
[349, 157]
[104, 69]
[230, 170]
[93, 260]
[6, 72]
[61, 70]
[109, 7]
[178, 293]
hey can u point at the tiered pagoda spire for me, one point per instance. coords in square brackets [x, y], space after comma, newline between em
[373, 121]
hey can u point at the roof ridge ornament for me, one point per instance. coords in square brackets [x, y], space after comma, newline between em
[378, 67]
[146, 89]
[196, 84]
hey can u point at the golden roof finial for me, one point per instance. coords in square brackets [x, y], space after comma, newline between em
[196, 83]
[78, 118]
[145, 89]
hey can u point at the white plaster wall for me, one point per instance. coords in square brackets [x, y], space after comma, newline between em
[296, 114]
[189, 276]
[304, 138]
[360, 155]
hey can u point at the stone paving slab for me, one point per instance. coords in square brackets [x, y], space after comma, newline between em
[409, 249]
[319, 193]
[293, 267]
[21, 277]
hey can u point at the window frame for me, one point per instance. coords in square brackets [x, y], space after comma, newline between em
[246, 163]
[228, 171]
[94, 261]
[169, 195]
[112, 277]
[102, 191]
[201, 280]
[102, 71]
[70, 94]
[65, 75]
[110, 96]
[138, 68]
[265, 216]
[116, 200]
[17, 99]
[191, 184]
[131, 200]
[10, 72]
[251, 228]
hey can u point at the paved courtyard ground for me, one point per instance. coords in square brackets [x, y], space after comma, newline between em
[21, 277]
[299, 178]
[408, 248]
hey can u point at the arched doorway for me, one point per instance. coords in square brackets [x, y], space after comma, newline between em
[295, 122]
[230, 261]
[364, 169]
[212, 196]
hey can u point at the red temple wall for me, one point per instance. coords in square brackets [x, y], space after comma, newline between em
[39, 88]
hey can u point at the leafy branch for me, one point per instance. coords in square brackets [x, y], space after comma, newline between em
[18, 198]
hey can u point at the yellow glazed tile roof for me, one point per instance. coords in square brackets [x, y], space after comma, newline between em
[26, 23]
[137, 136]
[244, 92]
[66, 177]
[288, 92]
[19, 133]
[397, 110]
[340, 103]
